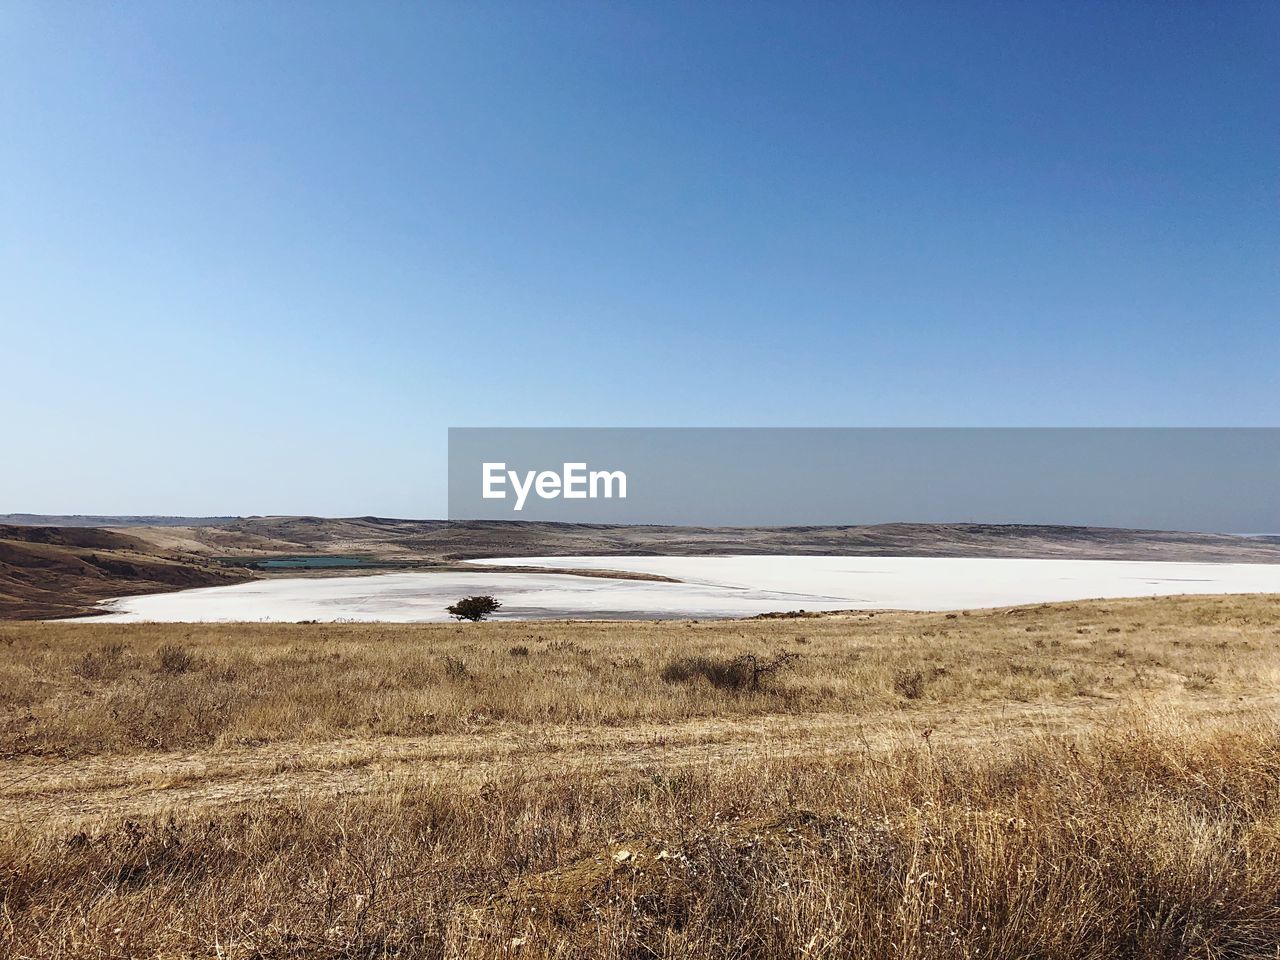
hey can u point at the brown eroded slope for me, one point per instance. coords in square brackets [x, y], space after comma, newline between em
[63, 571]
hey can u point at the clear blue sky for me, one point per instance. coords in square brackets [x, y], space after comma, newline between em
[257, 257]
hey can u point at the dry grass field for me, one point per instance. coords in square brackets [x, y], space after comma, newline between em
[1094, 779]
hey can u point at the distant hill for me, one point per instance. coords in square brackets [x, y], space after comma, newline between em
[90, 520]
[443, 541]
[471, 540]
[63, 571]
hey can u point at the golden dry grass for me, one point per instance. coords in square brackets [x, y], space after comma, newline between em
[1077, 780]
[81, 689]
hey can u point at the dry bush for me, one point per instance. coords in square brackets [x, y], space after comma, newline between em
[174, 658]
[909, 683]
[456, 669]
[101, 663]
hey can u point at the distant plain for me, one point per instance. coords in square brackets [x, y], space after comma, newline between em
[59, 567]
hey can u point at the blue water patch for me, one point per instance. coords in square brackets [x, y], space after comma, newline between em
[310, 563]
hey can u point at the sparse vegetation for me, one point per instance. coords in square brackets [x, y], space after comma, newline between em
[96, 664]
[911, 785]
[909, 683]
[455, 668]
[174, 658]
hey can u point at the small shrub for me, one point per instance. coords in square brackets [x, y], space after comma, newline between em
[1200, 680]
[221, 673]
[89, 666]
[455, 669]
[519, 650]
[474, 609]
[96, 664]
[568, 646]
[173, 658]
[909, 683]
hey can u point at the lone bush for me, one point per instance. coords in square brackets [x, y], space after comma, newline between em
[474, 609]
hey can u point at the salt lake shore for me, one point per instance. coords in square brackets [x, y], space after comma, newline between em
[717, 586]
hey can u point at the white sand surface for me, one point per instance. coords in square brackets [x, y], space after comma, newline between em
[711, 587]
[935, 583]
